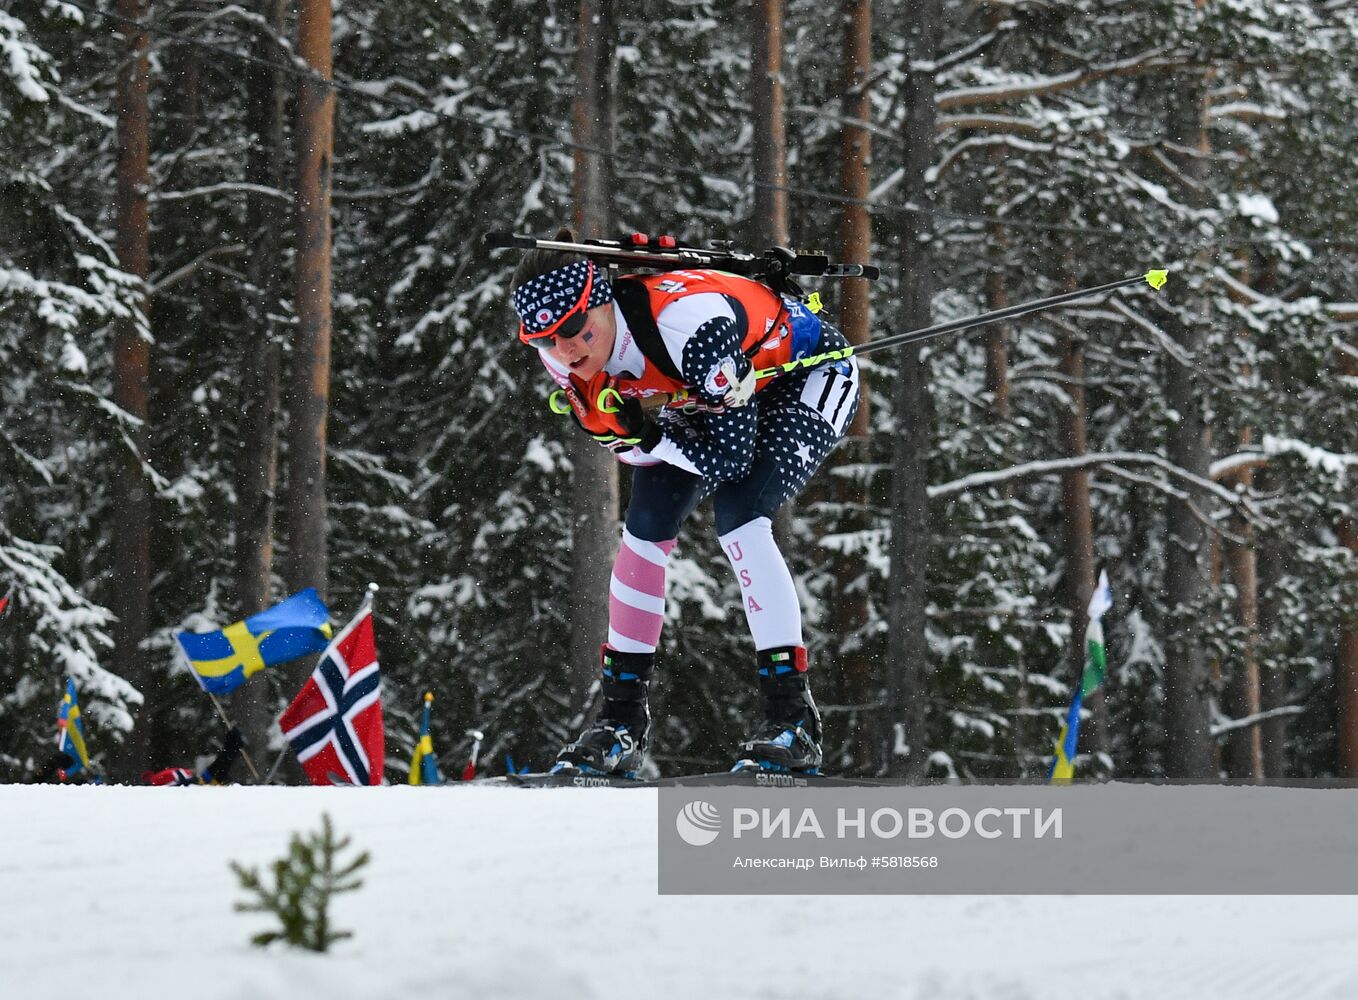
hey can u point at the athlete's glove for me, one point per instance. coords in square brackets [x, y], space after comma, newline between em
[628, 425]
[616, 422]
[727, 381]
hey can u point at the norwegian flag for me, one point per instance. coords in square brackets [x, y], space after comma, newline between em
[335, 722]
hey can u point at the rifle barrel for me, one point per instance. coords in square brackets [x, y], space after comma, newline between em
[684, 256]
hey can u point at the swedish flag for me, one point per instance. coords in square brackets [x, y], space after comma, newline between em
[71, 733]
[424, 766]
[223, 660]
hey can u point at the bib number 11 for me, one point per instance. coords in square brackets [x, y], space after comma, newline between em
[832, 392]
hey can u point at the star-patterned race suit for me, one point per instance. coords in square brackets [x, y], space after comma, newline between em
[763, 452]
[675, 331]
[701, 333]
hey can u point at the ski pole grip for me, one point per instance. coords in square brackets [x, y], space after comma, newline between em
[605, 400]
[558, 403]
[816, 359]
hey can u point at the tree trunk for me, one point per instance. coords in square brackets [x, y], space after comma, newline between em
[1188, 743]
[997, 337]
[997, 386]
[1244, 757]
[769, 148]
[1346, 672]
[769, 145]
[594, 494]
[1189, 748]
[310, 395]
[855, 156]
[257, 460]
[1269, 565]
[860, 683]
[1244, 749]
[130, 599]
[907, 640]
[1078, 519]
[1272, 675]
[1346, 663]
[180, 112]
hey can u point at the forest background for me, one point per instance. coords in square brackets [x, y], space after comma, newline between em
[250, 342]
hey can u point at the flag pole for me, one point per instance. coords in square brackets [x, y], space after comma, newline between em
[226, 719]
[368, 597]
[231, 725]
[278, 761]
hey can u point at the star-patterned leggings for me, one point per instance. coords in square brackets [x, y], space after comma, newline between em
[800, 417]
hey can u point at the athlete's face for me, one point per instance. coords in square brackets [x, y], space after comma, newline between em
[585, 354]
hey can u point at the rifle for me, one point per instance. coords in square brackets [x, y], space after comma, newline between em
[777, 267]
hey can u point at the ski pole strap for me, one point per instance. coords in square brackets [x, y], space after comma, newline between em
[559, 405]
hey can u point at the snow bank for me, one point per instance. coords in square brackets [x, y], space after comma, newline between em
[496, 892]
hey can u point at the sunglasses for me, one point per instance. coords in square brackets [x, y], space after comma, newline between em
[568, 326]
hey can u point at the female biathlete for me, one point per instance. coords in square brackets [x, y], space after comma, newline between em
[750, 443]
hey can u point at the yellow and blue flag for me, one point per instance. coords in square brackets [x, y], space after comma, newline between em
[223, 660]
[71, 733]
[1096, 665]
[424, 766]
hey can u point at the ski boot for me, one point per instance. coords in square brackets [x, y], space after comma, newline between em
[616, 744]
[789, 738]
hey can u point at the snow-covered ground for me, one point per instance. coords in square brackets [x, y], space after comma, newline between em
[492, 892]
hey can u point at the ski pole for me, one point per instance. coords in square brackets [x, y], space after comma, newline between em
[1154, 278]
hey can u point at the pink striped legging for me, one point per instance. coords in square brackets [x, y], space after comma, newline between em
[636, 594]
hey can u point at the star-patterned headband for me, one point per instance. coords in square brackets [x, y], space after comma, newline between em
[545, 302]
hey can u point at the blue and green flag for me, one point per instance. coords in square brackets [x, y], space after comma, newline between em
[1096, 664]
[71, 733]
[424, 766]
[223, 660]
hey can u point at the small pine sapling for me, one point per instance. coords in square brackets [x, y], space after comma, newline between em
[304, 881]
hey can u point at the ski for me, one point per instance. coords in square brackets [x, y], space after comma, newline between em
[757, 778]
[545, 779]
[748, 778]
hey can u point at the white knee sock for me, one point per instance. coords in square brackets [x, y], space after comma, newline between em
[772, 607]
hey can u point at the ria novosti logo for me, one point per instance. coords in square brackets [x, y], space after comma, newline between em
[698, 823]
